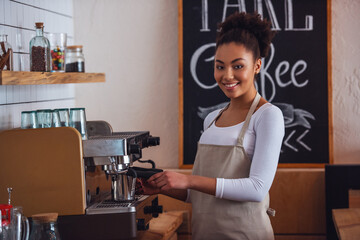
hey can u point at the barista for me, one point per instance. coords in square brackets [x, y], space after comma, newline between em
[239, 149]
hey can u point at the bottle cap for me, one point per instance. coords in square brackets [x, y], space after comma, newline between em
[39, 24]
[74, 47]
[45, 217]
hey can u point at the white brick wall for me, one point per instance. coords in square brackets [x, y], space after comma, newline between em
[17, 20]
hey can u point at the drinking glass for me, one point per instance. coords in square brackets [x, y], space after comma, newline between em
[56, 119]
[28, 119]
[78, 121]
[64, 116]
[44, 118]
[21, 229]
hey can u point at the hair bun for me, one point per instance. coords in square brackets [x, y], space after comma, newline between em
[251, 23]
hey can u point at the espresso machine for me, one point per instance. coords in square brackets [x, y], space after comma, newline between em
[90, 183]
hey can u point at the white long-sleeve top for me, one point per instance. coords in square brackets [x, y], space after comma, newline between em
[262, 143]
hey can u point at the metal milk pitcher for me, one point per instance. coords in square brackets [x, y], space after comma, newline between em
[123, 186]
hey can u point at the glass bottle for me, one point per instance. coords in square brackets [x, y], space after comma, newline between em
[40, 58]
[44, 227]
[6, 54]
[74, 59]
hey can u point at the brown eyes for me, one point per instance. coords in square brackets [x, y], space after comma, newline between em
[238, 66]
[219, 67]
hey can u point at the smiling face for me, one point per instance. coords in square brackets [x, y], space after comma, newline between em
[235, 69]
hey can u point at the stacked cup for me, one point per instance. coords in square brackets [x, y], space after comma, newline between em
[29, 119]
[78, 121]
[62, 117]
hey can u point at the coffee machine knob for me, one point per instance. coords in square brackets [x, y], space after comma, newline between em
[153, 141]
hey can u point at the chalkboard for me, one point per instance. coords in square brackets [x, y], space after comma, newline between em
[295, 76]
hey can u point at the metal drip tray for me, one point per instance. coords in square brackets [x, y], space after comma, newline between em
[110, 206]
[122, 135]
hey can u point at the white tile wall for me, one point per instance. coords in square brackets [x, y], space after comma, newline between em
[17, 20]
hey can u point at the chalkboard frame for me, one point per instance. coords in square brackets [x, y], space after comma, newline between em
[181, 97]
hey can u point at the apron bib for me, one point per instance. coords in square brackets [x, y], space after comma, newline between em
[220, 219]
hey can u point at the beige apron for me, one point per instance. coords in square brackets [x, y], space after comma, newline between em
[220, 219]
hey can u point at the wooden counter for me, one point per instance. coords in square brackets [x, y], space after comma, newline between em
[347, 223]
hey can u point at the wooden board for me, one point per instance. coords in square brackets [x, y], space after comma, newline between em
[185, 227]
[172, 204]
[36, 78]
[354, 198]
[45, 169]
[347, 223]
[163, 227]
[298, 196]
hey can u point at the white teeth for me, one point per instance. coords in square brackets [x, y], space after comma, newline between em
[230, 85]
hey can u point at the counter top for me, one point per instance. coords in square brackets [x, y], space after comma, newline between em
[347, 223]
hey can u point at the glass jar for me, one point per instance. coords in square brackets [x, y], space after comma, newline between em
[74, 59]
[6, 53]
[57, 47]
[44, 227]
[40, 57]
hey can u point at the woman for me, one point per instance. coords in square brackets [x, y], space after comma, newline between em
[239, 149]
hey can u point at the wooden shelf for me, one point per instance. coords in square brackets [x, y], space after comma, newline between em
[36, 78]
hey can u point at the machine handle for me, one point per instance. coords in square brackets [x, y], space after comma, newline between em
[145, 172]
[132, 172]
[148, 161]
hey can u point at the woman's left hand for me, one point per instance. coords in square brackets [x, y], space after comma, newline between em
[169, 180]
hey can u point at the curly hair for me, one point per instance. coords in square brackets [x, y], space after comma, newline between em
[247, 29]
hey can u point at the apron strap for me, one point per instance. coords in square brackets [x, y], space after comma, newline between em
[219, 114]
[247, 119]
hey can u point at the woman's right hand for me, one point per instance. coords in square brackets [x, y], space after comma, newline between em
[143, 187]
